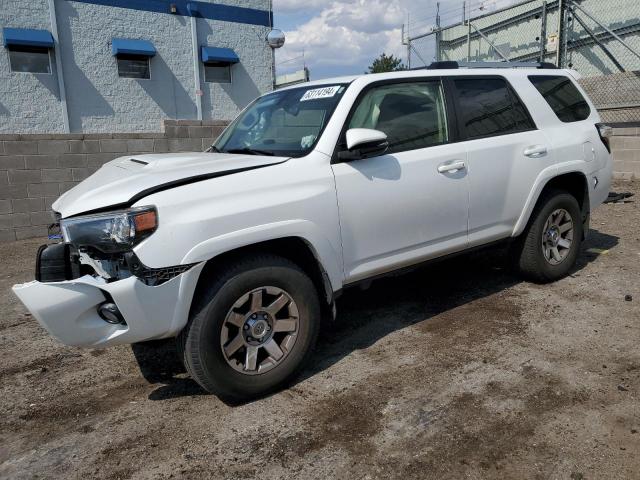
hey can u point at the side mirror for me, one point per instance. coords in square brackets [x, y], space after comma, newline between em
[364, 143]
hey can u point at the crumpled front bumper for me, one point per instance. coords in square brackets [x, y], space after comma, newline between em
[68, 309]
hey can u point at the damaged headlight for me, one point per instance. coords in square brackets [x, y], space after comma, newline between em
[111, 232]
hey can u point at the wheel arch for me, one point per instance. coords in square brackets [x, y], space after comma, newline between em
[296, 249]
[574, 182]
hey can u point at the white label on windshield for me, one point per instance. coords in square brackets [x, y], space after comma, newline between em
[324, 92]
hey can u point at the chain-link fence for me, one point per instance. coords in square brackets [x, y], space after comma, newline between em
[600, 39]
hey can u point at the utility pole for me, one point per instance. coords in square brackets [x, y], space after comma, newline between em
[561, 33]
[438, 34]
[408, 41]
[468, 22]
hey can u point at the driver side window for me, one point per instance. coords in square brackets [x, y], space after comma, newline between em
[413, 115]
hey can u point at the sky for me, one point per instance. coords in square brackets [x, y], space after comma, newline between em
[343, 37]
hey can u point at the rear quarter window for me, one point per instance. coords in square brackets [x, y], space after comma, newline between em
[562, 96]
[488, 107]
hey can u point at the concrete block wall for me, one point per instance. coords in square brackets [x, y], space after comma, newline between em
[35, 169]
[625, 146]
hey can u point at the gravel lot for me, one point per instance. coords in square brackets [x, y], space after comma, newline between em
[455, 370]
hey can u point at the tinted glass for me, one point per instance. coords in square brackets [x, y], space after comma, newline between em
[283, 123]
[31, 60]
[133, 66]
[563, 97]
[488, 107]
[413, 115]
[217, 73]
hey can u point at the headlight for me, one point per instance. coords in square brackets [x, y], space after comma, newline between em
[113, 231]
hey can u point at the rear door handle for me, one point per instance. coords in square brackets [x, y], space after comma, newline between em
[535, 151]
[451, 167]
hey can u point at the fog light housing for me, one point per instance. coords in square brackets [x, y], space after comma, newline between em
[109, 312]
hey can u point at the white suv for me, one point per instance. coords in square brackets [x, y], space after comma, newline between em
[240, 250]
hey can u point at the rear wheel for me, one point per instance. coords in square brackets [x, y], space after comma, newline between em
[252, 329]
[549, 247]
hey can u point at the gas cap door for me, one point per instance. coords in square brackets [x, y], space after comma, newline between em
[589, 151]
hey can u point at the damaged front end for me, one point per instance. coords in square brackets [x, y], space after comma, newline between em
[92, 290]
[101, 245]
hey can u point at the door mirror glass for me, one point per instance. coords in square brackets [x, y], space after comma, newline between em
[364, 143]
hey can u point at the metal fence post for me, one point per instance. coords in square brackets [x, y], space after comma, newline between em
[561, 33]
[543, 31]
[469, 41]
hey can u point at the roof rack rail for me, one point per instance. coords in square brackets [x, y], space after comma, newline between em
[453, 65]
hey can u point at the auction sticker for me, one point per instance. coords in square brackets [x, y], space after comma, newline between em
[316, 93]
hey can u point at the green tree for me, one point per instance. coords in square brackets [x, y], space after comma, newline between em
[386, 63]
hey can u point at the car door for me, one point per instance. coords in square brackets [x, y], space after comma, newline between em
[505, 153]
[411, 203]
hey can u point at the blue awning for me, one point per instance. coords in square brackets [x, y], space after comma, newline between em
[126, 46]
[26, 37]
[222, 55]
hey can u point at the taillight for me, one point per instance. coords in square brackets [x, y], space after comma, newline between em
[605, 132]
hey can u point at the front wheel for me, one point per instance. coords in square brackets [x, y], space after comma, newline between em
[549, 247]
[252, 328]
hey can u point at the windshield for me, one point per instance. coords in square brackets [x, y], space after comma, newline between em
[285, 123]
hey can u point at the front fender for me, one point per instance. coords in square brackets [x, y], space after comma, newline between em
[304, 229]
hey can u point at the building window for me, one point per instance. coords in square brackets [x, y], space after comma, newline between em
[29, 59]
[217, 72]
[133, 66]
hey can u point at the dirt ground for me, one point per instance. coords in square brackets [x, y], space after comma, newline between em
[455, 370]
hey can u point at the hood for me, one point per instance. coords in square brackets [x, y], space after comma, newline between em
[125, 180]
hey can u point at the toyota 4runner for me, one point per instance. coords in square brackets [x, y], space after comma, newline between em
[239, 251]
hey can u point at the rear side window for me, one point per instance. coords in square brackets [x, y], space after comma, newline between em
[488, 107]
[413, 115]
[563, 97]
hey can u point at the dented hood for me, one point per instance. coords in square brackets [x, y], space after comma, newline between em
[125, 180]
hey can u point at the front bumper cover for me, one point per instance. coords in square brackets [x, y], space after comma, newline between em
[68, 309]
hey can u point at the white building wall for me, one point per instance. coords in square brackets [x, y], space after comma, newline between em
[100, 101]
[28, 102]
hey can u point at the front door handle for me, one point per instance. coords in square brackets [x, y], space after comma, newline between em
[451, 167]
[535, 151]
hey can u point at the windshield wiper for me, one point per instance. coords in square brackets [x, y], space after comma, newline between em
[250, 151]
[213, 149]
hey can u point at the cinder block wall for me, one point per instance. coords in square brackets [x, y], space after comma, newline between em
[36, 169]
[625, 146]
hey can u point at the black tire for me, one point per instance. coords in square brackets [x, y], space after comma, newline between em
[528, 254]
[200, 341]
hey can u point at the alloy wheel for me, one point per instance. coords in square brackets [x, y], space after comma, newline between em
[557, 236]
[260, 330]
